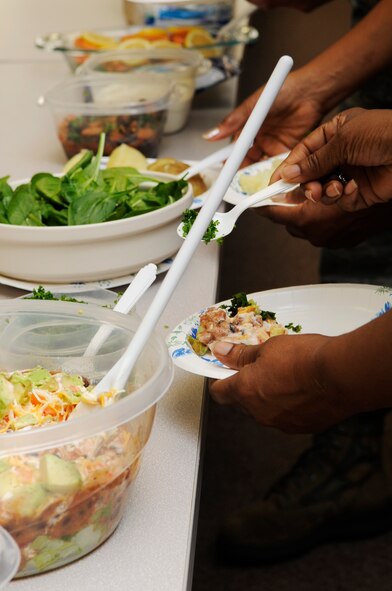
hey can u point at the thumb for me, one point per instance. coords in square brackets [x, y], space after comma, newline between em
[235, 356]
[314, 166]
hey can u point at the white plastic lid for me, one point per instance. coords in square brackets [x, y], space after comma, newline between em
[9, 557]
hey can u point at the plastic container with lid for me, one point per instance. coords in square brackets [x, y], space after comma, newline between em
[64, 488]
[209, 14]
[181, 66]
[130, 110]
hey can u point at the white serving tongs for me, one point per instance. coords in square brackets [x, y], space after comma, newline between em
[119, 374]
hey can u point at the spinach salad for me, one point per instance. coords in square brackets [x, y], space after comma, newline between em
[85, 195]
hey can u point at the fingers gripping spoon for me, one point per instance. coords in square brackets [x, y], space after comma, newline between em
[118, 375]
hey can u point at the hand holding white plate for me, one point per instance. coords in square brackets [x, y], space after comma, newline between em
[325, 309]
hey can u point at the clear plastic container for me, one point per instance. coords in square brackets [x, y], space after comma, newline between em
[181, 66]
[9, 557]
[130, 110]
[55, 521]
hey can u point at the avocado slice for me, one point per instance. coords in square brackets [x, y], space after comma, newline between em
[58, 475]
[6, 395]
[29, 498]
[8, 482]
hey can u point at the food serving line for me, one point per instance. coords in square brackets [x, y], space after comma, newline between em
[152, 549]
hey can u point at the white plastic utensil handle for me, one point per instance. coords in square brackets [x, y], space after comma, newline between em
[141, 282]
[213, 158]
[118, 376]
[266, 193]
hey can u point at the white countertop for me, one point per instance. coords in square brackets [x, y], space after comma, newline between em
[152, 548]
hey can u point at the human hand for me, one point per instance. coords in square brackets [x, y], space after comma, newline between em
[295, 111]
[329, 225]
[357, 141]
[278, 383]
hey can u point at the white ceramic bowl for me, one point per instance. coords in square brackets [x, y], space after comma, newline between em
[91, 252]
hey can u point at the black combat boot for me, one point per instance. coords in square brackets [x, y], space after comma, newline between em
[337, 490]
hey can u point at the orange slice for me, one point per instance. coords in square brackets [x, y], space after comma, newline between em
[149, 34]
[200, 37]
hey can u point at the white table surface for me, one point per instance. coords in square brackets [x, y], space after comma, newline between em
[152, 548]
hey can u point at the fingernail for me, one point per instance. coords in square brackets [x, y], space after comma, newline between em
[350, 187]
[290, 171]
[309, 195]
[333, 190]
[211, 133]
[222, 348]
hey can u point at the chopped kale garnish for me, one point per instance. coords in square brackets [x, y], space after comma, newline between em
[294, 328]
[40, 293]
[266, 315]
[188, 219]
[239, 300]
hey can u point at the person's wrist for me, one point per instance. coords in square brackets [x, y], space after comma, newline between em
[320, 85]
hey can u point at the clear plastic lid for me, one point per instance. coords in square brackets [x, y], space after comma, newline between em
[134, 94]
[166, 60]
[9, 557]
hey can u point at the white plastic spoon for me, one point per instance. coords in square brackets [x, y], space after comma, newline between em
[118, 376]
[218, 156]
[140, 283]
[226, 221]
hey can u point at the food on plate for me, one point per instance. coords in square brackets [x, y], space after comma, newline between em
[173, 166]
[34, 397]
[189, 37]
[142, 131]
[188, 219]
[85, 195]
[251, 183]
[125, 155]
[242, 322]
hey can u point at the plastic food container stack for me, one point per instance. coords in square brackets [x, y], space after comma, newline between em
[181, 66]
[130, 111]
[64, 487]
[207, 13]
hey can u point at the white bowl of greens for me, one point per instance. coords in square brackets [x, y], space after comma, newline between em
[88, 224]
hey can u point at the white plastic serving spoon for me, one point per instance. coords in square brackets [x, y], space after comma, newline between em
[226, 221]
[217, 156]
[118, 376]
[140, 283]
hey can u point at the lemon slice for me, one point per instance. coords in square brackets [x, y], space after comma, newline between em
[125, 155]
[134, 43]
[100, 41]
[165, 43]
[199, 37]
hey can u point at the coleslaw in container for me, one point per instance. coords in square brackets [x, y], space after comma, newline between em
[63, 486]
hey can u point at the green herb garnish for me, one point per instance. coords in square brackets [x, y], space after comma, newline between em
[294, 328]
[188, 219]
[40, 293]
[85, 195]
[239, 300]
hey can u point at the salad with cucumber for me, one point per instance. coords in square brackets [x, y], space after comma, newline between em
[60, 502]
